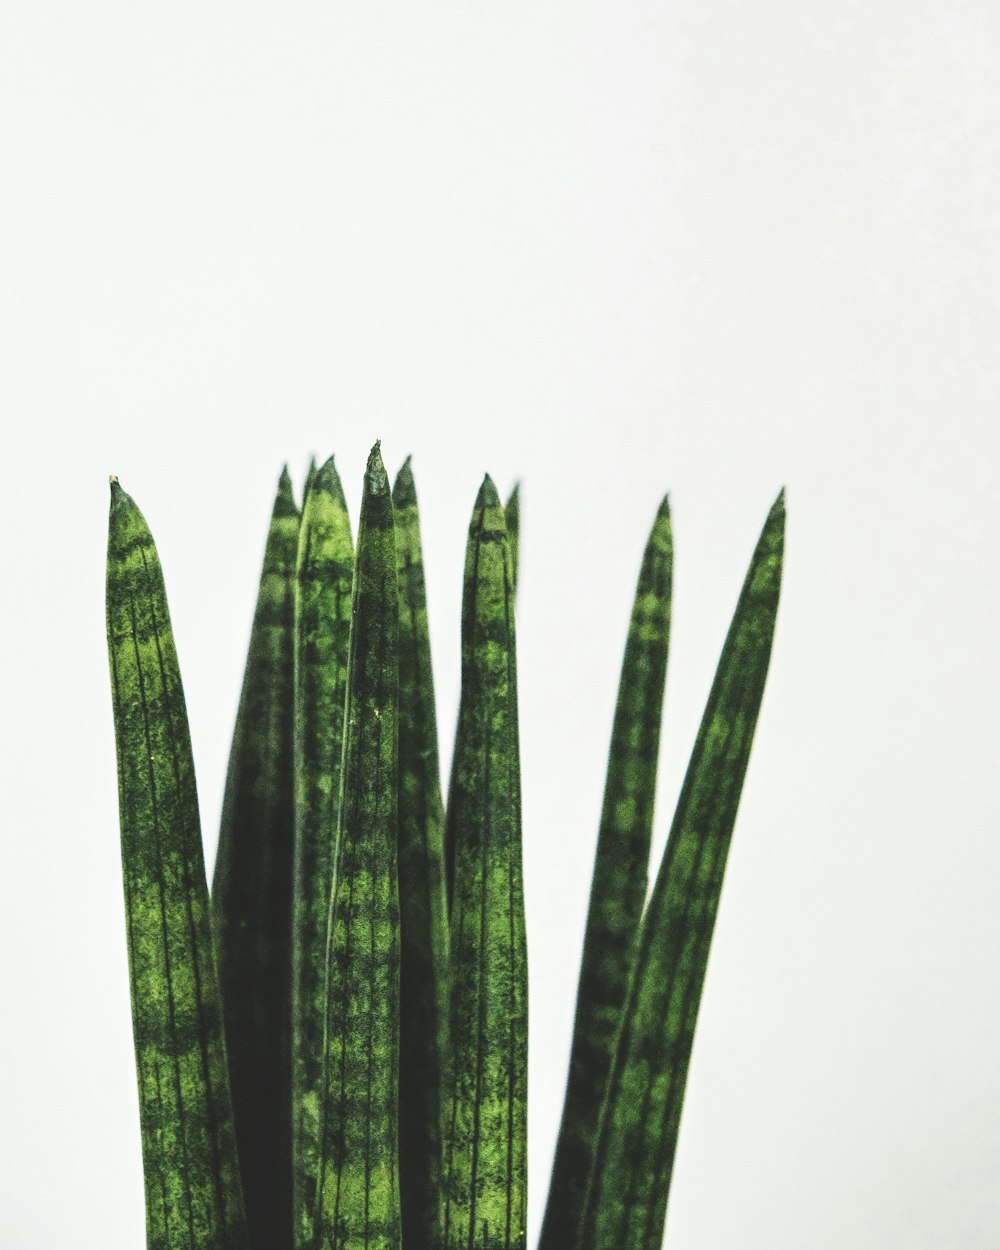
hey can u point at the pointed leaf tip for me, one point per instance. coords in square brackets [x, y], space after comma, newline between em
[404, 490]
[327, 480]
[121, 501]
[488, 497]
[284, 499]
[376, 478]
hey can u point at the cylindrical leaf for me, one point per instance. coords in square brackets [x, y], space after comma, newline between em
[618, 889]
[322, 647]
[422, 902]
[252, 893]
[193, 1193]
[358, 1181]
[486, 1109]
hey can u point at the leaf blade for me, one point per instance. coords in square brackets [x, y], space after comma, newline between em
[486, 1130]
[627, 1196]
[358, 1182]
[193, 1190]
[423, 901]
[618, 888]
[252, 891]
[324, 577]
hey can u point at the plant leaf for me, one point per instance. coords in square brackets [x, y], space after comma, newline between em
[633, 1161]
[358, 1183]
[322, 632]
[193, 1192]
[486, 1129]
[422, 900]
[252, 892]
[513, 501]
[618, 889]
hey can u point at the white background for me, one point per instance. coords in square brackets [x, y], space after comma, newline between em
[611, 249]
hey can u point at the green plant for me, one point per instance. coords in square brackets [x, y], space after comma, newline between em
[332, 1051]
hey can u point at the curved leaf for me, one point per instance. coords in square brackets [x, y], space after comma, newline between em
[618, 889]
[633, 1160]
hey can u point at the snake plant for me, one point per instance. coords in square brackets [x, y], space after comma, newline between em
[331, 1047]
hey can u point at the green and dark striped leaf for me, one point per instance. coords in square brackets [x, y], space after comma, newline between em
[252, 892]
[422, 900]
[193, 1192]
[634, 1155]
[358, 1180]
[486, 1109]
[322, 647]
[512, 520]
[618, 889]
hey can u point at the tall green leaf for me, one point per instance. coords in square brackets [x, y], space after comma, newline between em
[422, 901]
[618, 889]
[512, 521]
[358, 1181]
[633, 1160]
[322, 633]
[252, 892]
[486, 1128]
[193, 1192]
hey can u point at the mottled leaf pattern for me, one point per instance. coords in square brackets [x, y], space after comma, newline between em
[193, 1193]
[322, 646]
[363, 958]
[422, 902]
[486, 1112]
[358, 1184]
[252, 892]
[618, 889]
[634, 1155]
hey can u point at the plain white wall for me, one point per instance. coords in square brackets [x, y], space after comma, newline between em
[611, 249]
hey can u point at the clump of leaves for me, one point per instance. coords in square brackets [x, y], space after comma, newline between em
[332, 1049]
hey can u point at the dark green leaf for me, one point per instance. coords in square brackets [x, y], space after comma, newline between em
[322, 630]
[422, 902]
[358, 1183]
[252, 892]
[486, 1127]
[633, 1161]
[193, 1194]
[618, 890]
